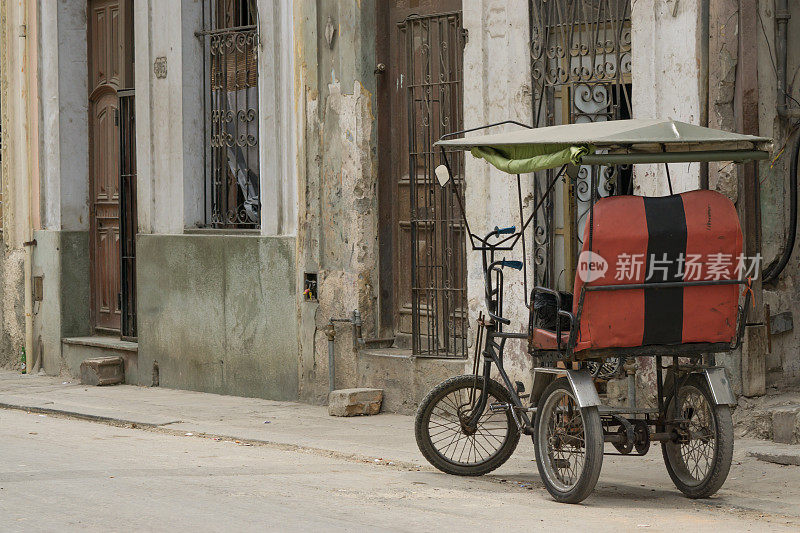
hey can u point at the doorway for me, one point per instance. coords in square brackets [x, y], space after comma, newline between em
[423, 277]
[110, 58]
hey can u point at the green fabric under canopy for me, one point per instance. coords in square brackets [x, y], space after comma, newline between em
[630, 141]
[521, 159]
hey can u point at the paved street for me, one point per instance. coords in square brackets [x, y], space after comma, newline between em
[65, 474]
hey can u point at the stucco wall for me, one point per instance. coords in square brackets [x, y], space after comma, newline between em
[337, 228]
[497, 86]
[669, 81]
[783, 363]
[12, 314]
[14, 57]
[217, 313]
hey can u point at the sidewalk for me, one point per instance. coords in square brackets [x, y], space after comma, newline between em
[388, 439]
[247, 419]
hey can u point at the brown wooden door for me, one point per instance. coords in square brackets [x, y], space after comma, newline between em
[110, 69]
[420, 98]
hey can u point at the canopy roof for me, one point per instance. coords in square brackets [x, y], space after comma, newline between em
[614, 133]
[620, 141]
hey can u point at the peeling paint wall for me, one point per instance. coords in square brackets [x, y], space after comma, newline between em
[337, 230]
[14, 87]
[497, 86]
[783, 362]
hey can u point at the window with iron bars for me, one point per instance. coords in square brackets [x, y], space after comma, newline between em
[231, 77]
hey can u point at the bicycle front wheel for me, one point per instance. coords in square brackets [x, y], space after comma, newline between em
[448, 442]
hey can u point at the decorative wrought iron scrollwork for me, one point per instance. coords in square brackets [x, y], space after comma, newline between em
[580, 71]
[233, 136]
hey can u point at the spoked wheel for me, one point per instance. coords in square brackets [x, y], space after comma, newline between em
[448, 442]
[699, 460]
[569, 444]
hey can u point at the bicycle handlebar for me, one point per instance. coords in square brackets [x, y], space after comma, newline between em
[516, 265]
[505, 231]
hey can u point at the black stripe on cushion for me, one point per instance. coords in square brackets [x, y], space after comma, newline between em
[663, 308]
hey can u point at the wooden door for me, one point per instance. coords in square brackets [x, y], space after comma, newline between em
[422, 241]
[110, 69]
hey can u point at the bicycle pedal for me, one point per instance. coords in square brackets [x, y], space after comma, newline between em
[520, 387]
[498, 407]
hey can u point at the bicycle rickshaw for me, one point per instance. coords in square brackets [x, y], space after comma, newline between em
[471, 424]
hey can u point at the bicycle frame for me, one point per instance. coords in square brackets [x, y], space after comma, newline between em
[496, 338]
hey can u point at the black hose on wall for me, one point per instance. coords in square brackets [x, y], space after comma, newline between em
[774, 269]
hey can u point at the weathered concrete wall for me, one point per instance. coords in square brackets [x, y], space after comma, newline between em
[61, 258]
[783, 363]
[409, 378]
[217, 313]
[74, 286]
[497, 86]
[337, 231]
[669, 81]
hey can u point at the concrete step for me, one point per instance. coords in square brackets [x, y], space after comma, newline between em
[786, 424]
[774, 417]
[103, 371]
[76, 350]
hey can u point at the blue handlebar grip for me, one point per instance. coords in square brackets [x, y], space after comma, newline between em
[516, 265]
[501, 231]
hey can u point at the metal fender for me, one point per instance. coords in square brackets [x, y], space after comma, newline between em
[720, 386]
[580, 381]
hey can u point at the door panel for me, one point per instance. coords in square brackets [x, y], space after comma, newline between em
[420, 96]
[105, 210]
[110, 67]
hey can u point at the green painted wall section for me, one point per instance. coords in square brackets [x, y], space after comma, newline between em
[61, 258]
[75, 283]
[218, 313]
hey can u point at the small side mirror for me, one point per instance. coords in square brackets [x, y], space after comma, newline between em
[442, 175]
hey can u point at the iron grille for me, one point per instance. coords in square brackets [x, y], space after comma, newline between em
[433, 84]
[233, 189]
[581, 72]
[128, 220]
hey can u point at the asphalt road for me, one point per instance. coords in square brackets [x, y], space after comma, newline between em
[60, 475]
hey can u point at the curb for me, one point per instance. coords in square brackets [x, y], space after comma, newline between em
[82, 416]
[404, 465]
[787, 454]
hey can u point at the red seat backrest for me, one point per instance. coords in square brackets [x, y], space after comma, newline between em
[666, 238]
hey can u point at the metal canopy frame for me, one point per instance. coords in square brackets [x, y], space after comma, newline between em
[506, 239]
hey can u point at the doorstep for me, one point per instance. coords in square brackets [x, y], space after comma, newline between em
[404, 378]
[100, 341]
[75, 350]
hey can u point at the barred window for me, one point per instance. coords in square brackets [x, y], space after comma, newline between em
[232, 185]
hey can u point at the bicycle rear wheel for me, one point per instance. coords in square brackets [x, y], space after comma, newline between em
[699, 463]
[569, 444]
